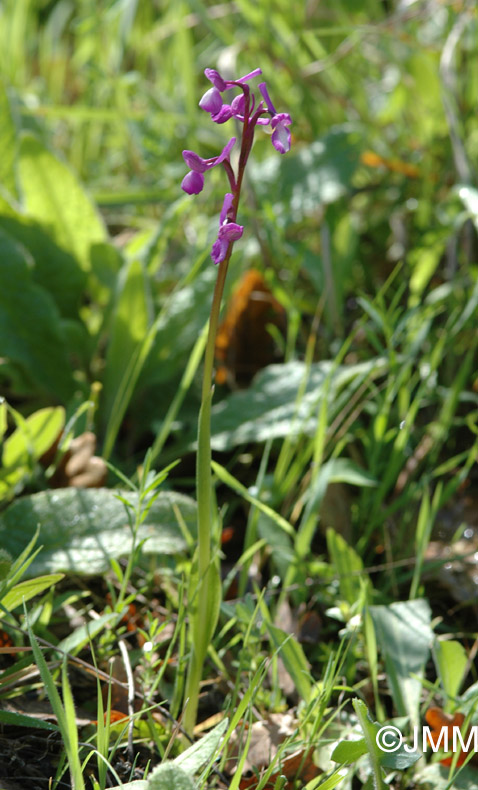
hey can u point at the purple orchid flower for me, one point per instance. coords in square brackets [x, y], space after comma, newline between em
[228, 231]
[193, 182]
[246, 110]
[280, 122]
[212, 101]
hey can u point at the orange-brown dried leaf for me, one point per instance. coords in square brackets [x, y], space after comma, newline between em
[244, 344]
[115, 715]
[371, 159]
[438, 719]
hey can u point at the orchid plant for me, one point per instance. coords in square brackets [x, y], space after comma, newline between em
[205, 586]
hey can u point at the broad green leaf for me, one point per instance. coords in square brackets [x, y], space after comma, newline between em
[369, 730]
[82, 635]
[398, 759]
[268, 408]
[374, 737]
[12, 719]
[80, 529]
[168, 775]
[424, 262]
[469, 196]
[348, 566]
[347, 752]
[451, 660]
[30, 326]
[53, 196]
[23, 591]
[55, 269]
[34, 436]
[197, 755]
[8, 143]
[427, 108]
[343, 470]
[404, 636]
[318, 173]
[129, 326]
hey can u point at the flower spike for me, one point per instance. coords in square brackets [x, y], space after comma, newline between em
[245, 109]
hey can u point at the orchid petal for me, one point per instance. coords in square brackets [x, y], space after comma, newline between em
[224, 114]
[211, 101]
[238, 105]
[228, 198]
[193, 183]
[216, 79]
[267, 98]
[195, 162]
[281, 138]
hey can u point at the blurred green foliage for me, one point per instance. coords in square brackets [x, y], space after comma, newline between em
[369, 224]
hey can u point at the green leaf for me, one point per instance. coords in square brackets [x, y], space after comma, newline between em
[5, 564]
[3, 419]
[404, 636]
[168, 775]
[56, 270]
[294, 660]
[33, 437]
[329, 784]
[53, 196]
[343, 470]
[321, 172]
[225, 477]
[82, 635]
[197, 755]
[268, 408]
[451, 660]
[30, 328]
[8, 143]
[28, 589]
[347, 752]
[348, 566]
[80, 529]
[12, 719]
[128, 329]
[399, 760]
[369, 729]
[175, 337]
[469, 196]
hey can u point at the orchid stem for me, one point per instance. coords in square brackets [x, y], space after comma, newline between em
[202, 609]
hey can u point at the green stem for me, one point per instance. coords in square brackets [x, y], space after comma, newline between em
[204, 503]
[369, 734]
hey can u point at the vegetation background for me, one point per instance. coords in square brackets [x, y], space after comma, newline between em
[345, 470]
